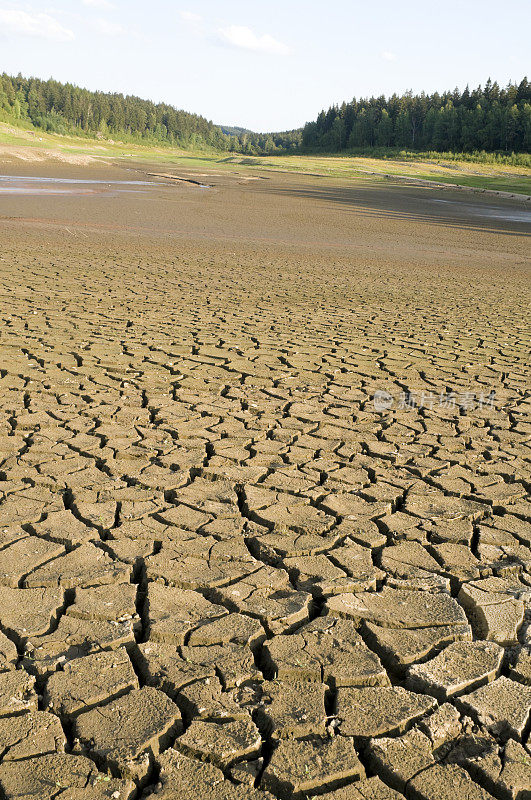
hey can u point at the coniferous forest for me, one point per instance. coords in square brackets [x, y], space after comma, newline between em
[67, 109]
[489, 118]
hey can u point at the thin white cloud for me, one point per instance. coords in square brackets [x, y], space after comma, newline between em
[24, 23]
[245, 39]
[107, 28]
[189, 16]
[388, 56]
[102, 5]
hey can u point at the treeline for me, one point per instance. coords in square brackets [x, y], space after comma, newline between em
[269, 143]
[64, 108]
[484, 119]
[68, 109]
[263, 143]
[488, 118]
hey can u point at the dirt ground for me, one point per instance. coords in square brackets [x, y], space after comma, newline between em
[264, 488]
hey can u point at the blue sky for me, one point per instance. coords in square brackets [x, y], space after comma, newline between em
[265, 65]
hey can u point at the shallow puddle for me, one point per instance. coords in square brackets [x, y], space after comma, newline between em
[17, 185]
[490, 212]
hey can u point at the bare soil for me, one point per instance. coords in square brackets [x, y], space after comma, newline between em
[264, 489]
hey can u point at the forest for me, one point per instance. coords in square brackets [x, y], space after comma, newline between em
[488, 119]
[68, 109]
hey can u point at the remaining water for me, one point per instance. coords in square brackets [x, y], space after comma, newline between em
[489, 211]
[17, 184]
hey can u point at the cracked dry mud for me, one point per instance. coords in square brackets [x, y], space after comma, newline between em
[223, 572]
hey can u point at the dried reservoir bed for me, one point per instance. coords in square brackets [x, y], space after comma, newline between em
[264, 491]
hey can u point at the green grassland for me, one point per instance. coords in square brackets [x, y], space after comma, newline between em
[441, 168]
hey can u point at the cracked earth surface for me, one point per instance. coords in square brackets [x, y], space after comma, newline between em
[223, 572]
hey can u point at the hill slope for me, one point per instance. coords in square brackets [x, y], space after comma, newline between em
[65, 108]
